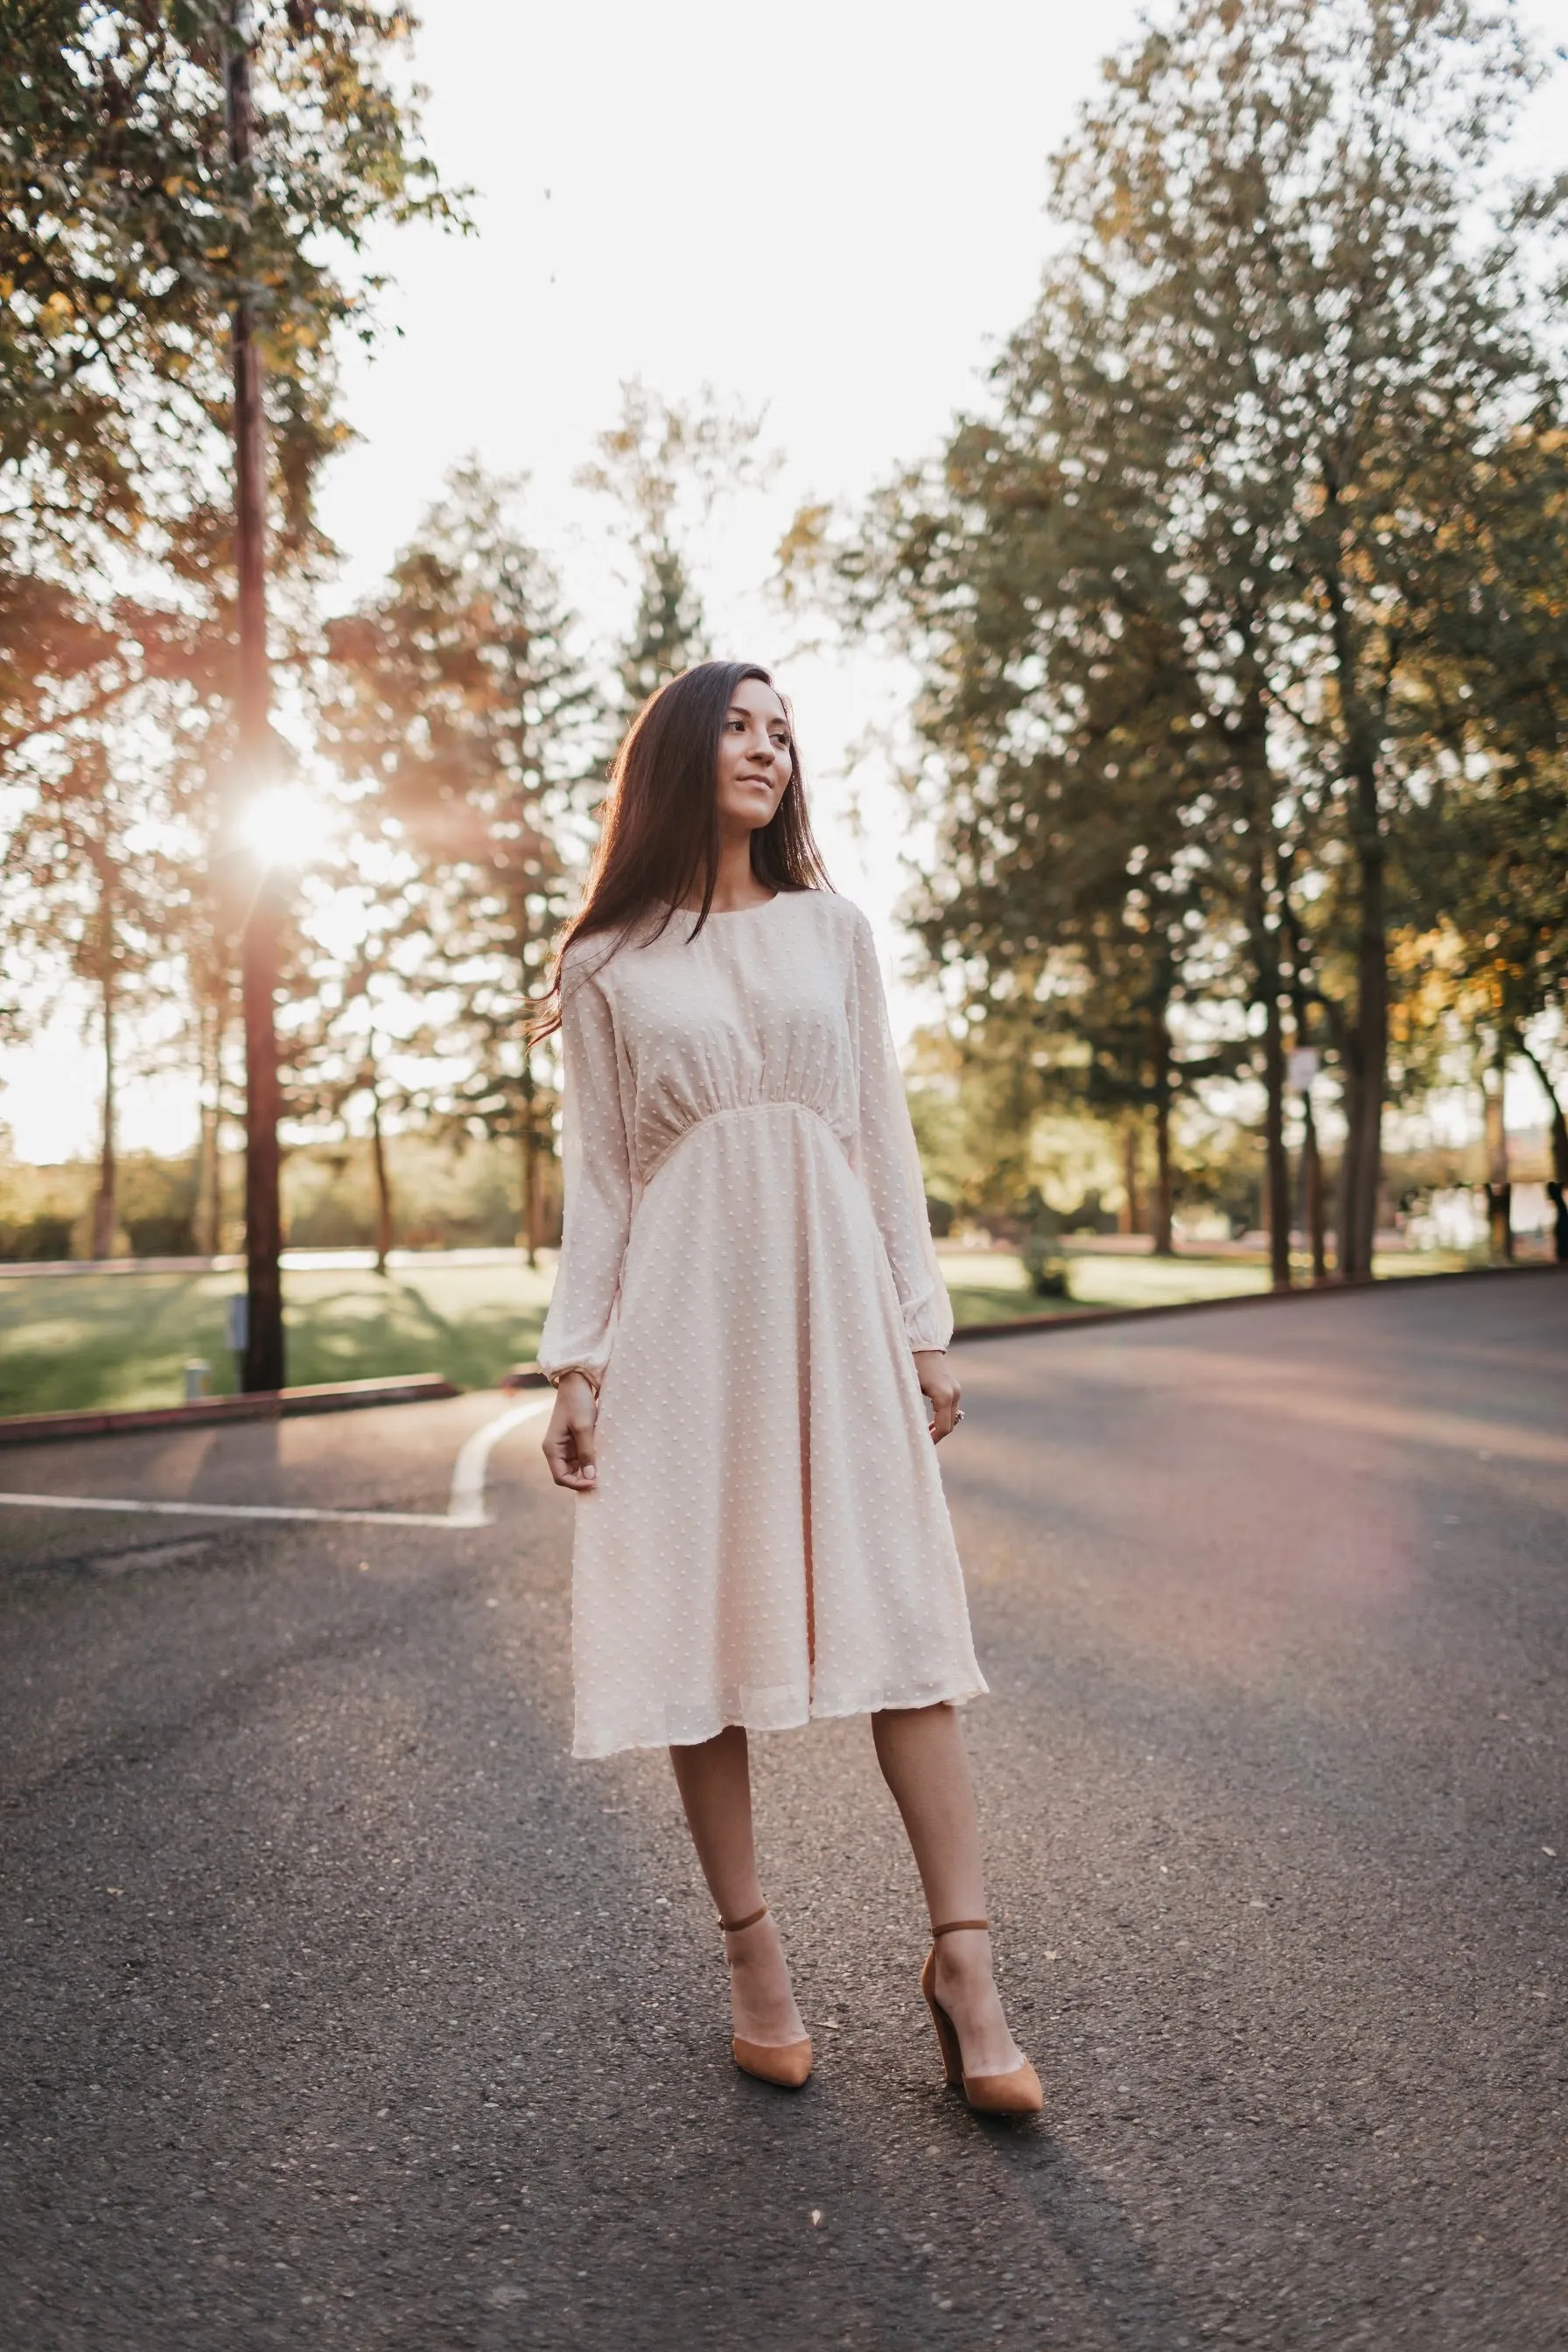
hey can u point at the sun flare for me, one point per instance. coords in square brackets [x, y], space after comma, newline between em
[287, 824]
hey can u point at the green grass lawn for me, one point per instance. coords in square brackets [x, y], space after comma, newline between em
[79, 1340]
[121, 1339]
[987, 1287]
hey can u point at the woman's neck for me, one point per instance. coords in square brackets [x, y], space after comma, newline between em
[735, 885]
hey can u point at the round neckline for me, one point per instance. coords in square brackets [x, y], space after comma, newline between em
[760, 909]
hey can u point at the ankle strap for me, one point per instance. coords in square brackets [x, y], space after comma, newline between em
[954, 1926]
[734, 1927]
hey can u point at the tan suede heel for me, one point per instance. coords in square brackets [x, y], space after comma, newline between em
[1016, 2093]
[786, 2064]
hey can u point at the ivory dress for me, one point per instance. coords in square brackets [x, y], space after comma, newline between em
[746, 1268]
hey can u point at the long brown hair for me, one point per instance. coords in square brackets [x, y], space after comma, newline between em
[660, 834]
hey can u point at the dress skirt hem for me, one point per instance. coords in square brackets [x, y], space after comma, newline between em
[763, 1710]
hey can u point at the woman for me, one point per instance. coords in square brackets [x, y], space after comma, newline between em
[747, 1309]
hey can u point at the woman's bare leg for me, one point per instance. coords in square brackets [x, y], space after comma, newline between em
[715, 1785]
[921, 1753]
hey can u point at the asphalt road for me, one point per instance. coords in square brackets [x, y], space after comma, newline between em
[345, 2011]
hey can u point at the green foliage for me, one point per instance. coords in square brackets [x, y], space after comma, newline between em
[127, 235]
[451, 1195]
[1249, 562]
[131, 231]
[995, 1154]
[668, 633]
[458, 705]
[1044, 1261]
[38, 1240]
[448, 1196]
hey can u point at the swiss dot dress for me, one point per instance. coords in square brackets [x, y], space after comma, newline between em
[746, 1268]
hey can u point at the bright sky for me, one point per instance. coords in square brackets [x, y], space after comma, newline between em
[835, 212]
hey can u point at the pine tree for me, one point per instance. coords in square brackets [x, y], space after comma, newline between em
[661, 463]
[458, 703]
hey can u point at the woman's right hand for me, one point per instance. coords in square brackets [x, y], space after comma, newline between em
[569, 1440]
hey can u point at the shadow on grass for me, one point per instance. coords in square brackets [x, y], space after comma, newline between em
[78, 1342]
[350, 1336]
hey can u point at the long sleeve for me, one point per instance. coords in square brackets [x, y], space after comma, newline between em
[886, 1160]
[596, 1174]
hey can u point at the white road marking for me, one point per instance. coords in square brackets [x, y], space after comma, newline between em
[224, 1510]
[466, 1507]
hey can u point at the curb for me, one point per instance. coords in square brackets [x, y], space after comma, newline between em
[425, 1388]
[1074, 1318]
[264, 1404]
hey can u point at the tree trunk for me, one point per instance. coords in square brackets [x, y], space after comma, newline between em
[203, 1217]
[535, 1189]
[207, 1221]
[1366, 1059]
[1163, 1207]
[1266, 960]
[1499, 1187]
[531, 1223]
[1313, 1192]
[1278, 1160]
[1132, 1218]
[1345, 1249]
[1559, 1123]
[1363, 1143]
[531, 1234]
[384, 1232]
[1312, 1168]
[106, 1201]
[1163, 1229]
[264, 1350]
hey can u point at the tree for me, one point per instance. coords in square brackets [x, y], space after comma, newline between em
[1088, 771]
[1490, 851]
[127, 236]
[661, 456]
[458, 703]
[1503, 850]
[88, 890]
[356, 1010]
[1291, 323]
[182, 187]
[1285, 201]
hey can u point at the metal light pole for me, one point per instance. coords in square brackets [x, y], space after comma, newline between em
[263, 1353]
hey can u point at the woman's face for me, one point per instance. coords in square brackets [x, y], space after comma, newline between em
[755, 758]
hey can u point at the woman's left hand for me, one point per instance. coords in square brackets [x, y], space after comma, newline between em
[937, 1383]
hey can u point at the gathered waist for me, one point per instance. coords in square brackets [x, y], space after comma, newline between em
[731, 1111]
